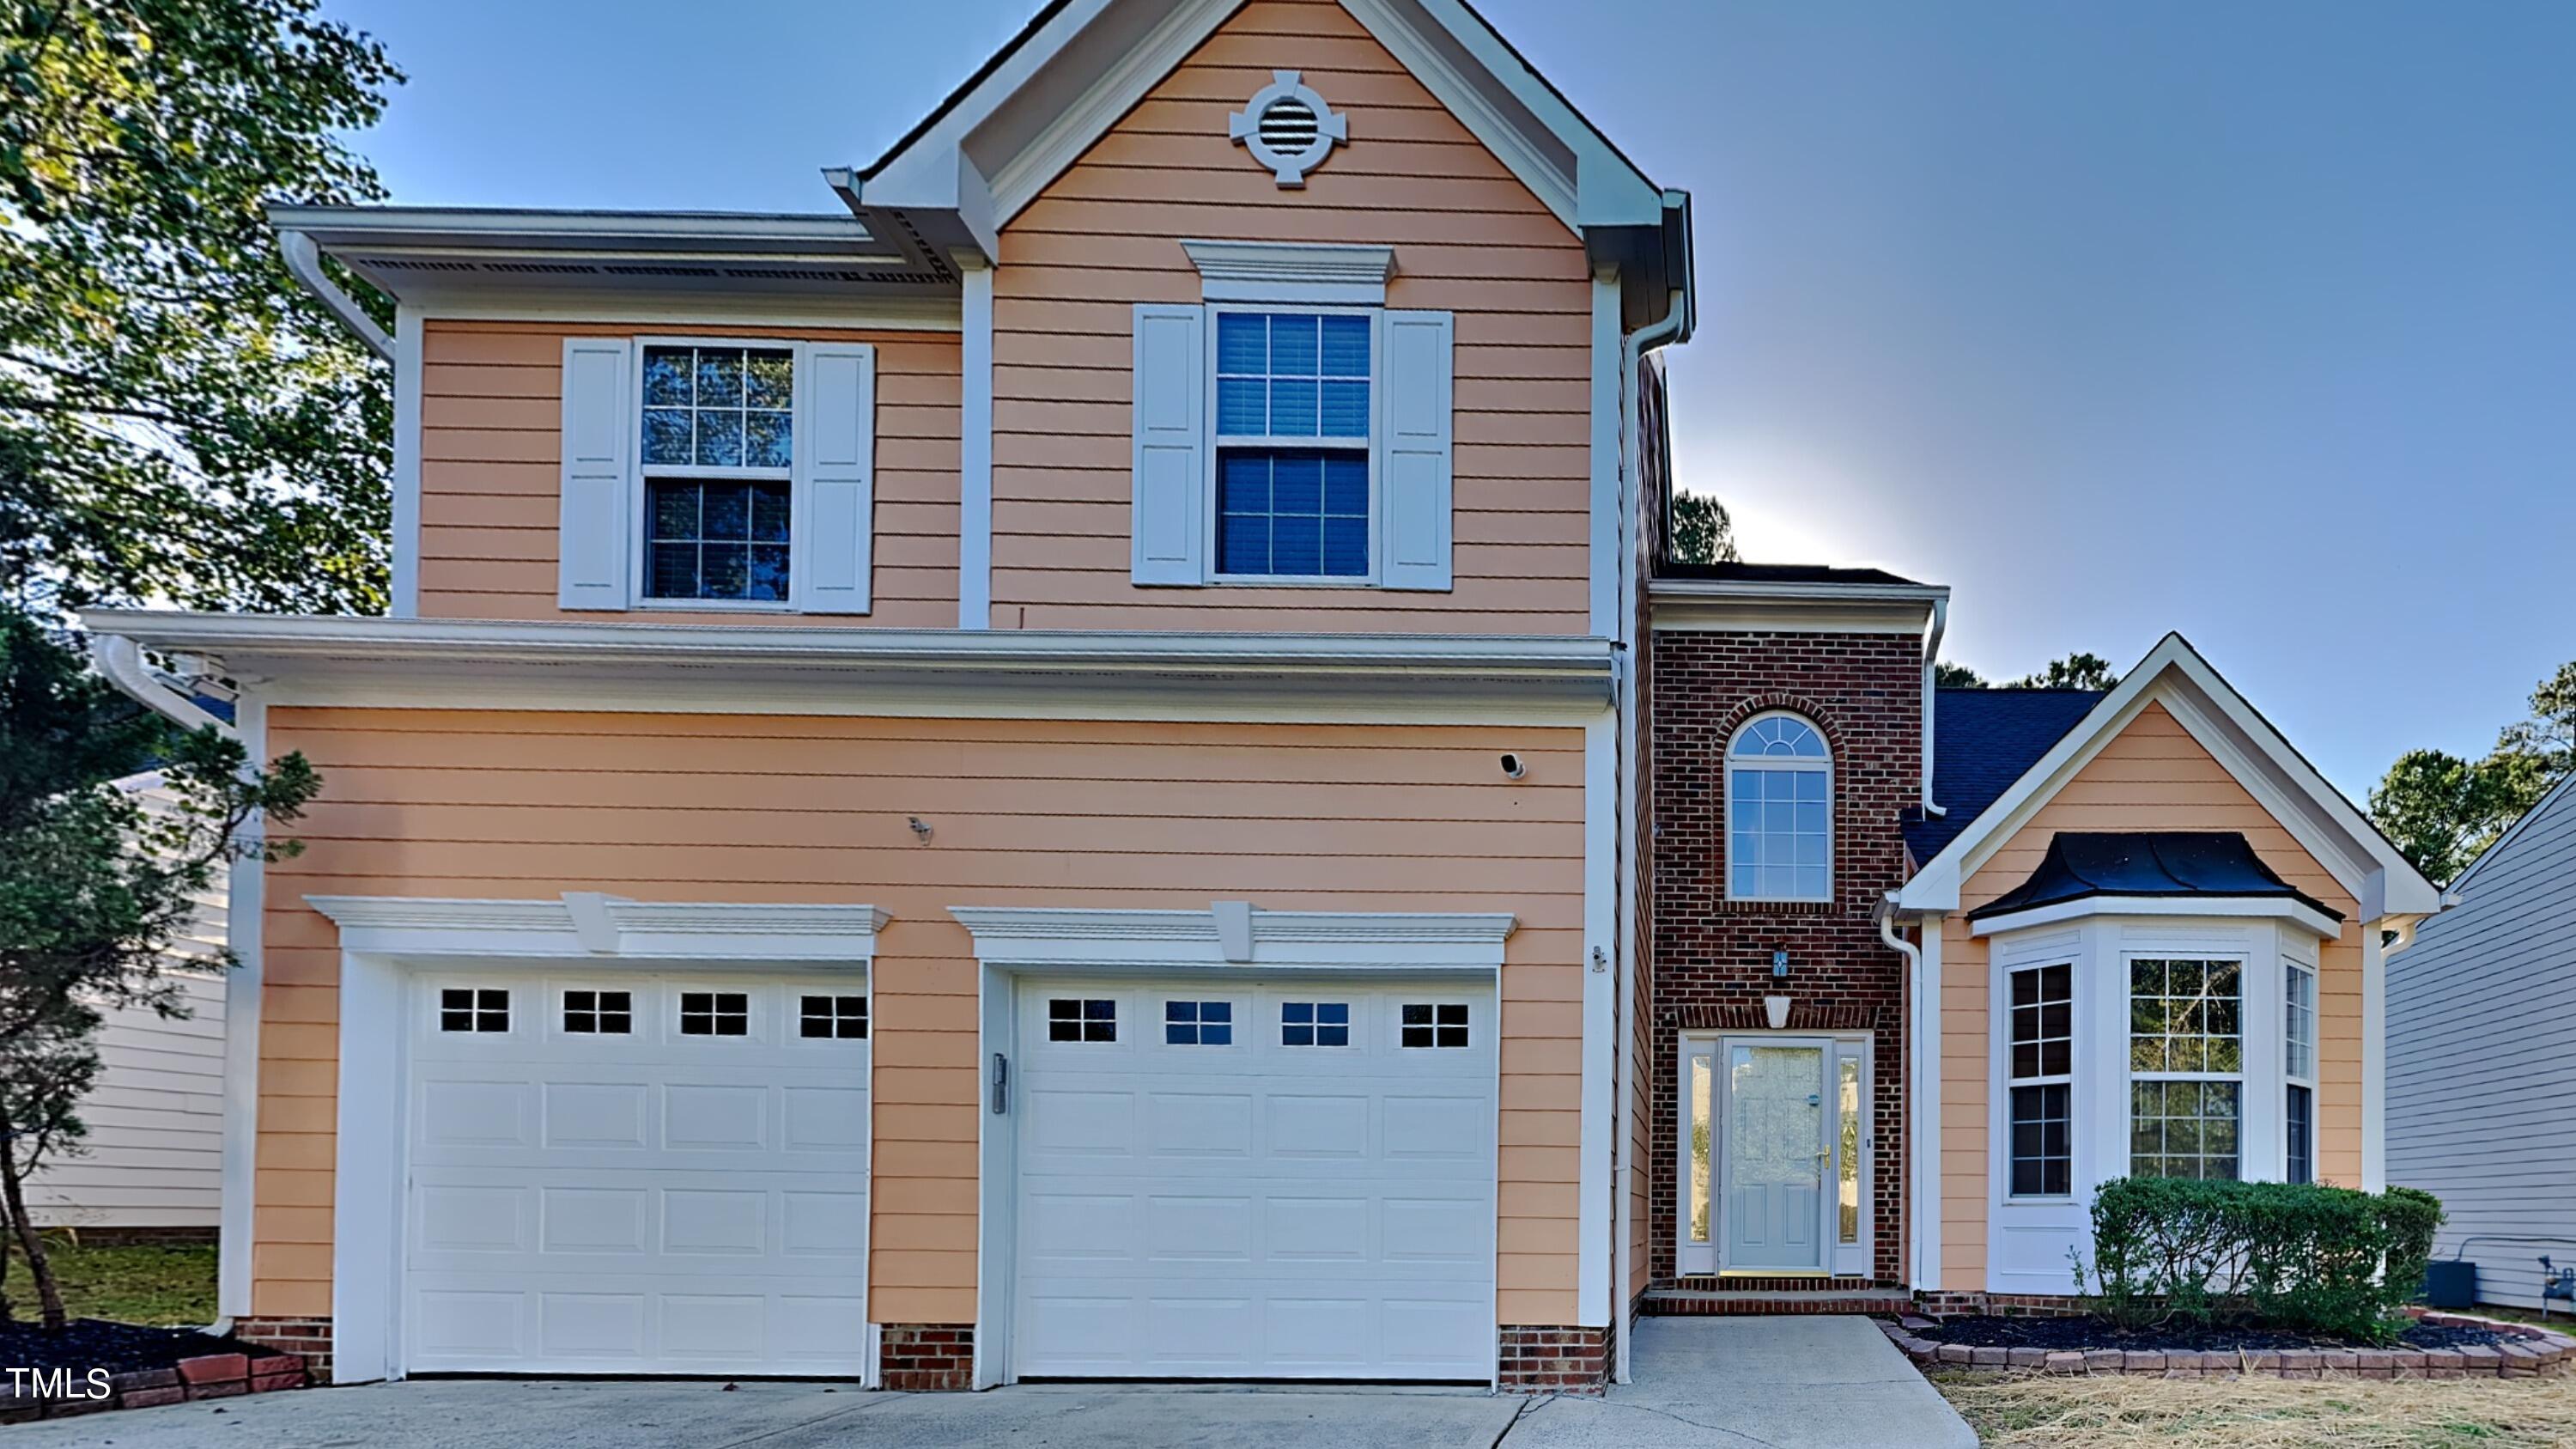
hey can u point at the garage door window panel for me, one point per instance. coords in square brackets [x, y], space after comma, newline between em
[1314, 1023]
[599, 1013]
[1082, 1019]
[474, 1009]
[833, 1018]
[1198, 1023]
[1434, 1024]
[715, 1013]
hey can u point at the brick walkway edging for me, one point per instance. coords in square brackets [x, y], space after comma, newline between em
[2534, 1353]
[209, 1376]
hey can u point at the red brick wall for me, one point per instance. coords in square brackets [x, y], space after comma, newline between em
[1550, 1359]
[926, 1357]
[1712, 957]
[307, 1338]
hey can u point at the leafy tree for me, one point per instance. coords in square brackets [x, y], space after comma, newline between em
[92, 888]
[2075, 671]
[2442, 811]
[178, 419]
[1702, 531]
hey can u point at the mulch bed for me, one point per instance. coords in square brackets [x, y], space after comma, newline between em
[2082, 1334]
[88, 1343]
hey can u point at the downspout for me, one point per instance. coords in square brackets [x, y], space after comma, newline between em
[1931, 674]
[1917, 1038]
[120, 661]
[304, 263]
[1674, 324]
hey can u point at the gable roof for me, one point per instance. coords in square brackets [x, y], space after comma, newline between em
[1983, 741]
[2245, 744]
[1058, 85]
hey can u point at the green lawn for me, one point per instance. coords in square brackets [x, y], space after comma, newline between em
[170, 1286]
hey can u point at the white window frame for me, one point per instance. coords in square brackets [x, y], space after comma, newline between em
[1366, 448]
[2243, 1077]
[639, 526]
[1727, 766]
[2075, 1054]
[2294, 969]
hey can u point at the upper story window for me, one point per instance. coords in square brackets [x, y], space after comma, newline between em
[719, 452]
[717, 474]
[1779, 811]
[1292, 445]
[1291, 428]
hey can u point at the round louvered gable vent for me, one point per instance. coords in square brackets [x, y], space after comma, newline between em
[1288, 128]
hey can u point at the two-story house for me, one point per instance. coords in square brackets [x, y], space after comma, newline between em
[1076, 769]
[1022, 778]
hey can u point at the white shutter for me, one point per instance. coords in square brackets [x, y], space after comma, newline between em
[835, 507]
[1413, 451]
[598, 432]
[1168, 523]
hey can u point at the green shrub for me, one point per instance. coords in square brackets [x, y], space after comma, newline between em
[2295, 1257]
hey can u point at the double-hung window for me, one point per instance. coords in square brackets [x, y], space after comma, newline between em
[2042, 1031]
[717, 474]
[1291, 434]
[1292, 445]
[2186, 1067]
[2299, 1063]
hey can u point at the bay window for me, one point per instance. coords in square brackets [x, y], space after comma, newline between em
[2186, 1067]
[2299, 1067]
[2042, 1068]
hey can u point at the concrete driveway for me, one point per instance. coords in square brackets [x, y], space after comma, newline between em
[1783, 1382]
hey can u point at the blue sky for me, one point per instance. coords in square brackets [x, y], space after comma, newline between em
[2252, 321]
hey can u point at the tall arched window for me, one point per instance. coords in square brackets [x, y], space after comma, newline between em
[1779, 811]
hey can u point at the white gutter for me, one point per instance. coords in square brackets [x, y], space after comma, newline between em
[304, 263]
[119, 660]
[1931, 670]
[1920, 1047]
[1633, 349]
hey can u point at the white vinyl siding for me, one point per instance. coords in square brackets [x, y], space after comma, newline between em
[2482, 1056]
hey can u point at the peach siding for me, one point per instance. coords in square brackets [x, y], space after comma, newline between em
[700, 807]
[491, 414]
[2153, 776]
[1469, 238]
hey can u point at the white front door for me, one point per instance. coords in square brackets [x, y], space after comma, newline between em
[1222, 1179]
[1776, 1155]
[622, 1173]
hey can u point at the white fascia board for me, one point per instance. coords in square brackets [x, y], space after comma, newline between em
[2173, 673]
[1762, 590]
[2297, 913]
[501, 228]
[923, 171]
[1032, 938]
[587, 926]
[299, 649]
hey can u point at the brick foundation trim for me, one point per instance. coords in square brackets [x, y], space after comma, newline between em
[307, 1338]
[926, 1358]
[1553, 1359]
[1951, 1303]
[63, 1393]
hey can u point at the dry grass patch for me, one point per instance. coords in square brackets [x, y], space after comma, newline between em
[2111, 1412]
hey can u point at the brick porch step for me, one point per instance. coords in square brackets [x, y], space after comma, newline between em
[1692, 1301]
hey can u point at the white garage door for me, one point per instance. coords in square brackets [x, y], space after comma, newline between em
[638, 1174]
[1232, 1181]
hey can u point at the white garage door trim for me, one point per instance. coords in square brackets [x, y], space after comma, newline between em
[385, 941]
[1233, 943]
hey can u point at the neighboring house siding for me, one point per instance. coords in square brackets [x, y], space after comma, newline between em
[1469, 238]
[491, 453]
[2152, 776]
[2482, 1057]
[154, 1154]
[787, 808]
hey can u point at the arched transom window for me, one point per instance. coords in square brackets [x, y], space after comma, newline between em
[1779, 811]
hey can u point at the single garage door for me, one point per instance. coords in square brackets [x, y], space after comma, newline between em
[638, 1174]
[1225, 1180]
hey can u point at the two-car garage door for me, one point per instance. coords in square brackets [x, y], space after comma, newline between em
[1226, 1180]
[637, 1174]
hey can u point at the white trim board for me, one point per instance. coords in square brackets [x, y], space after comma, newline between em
[2212, 907]
[589, 926]
[245, 925]
[1318, 273]
[1236, 935]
